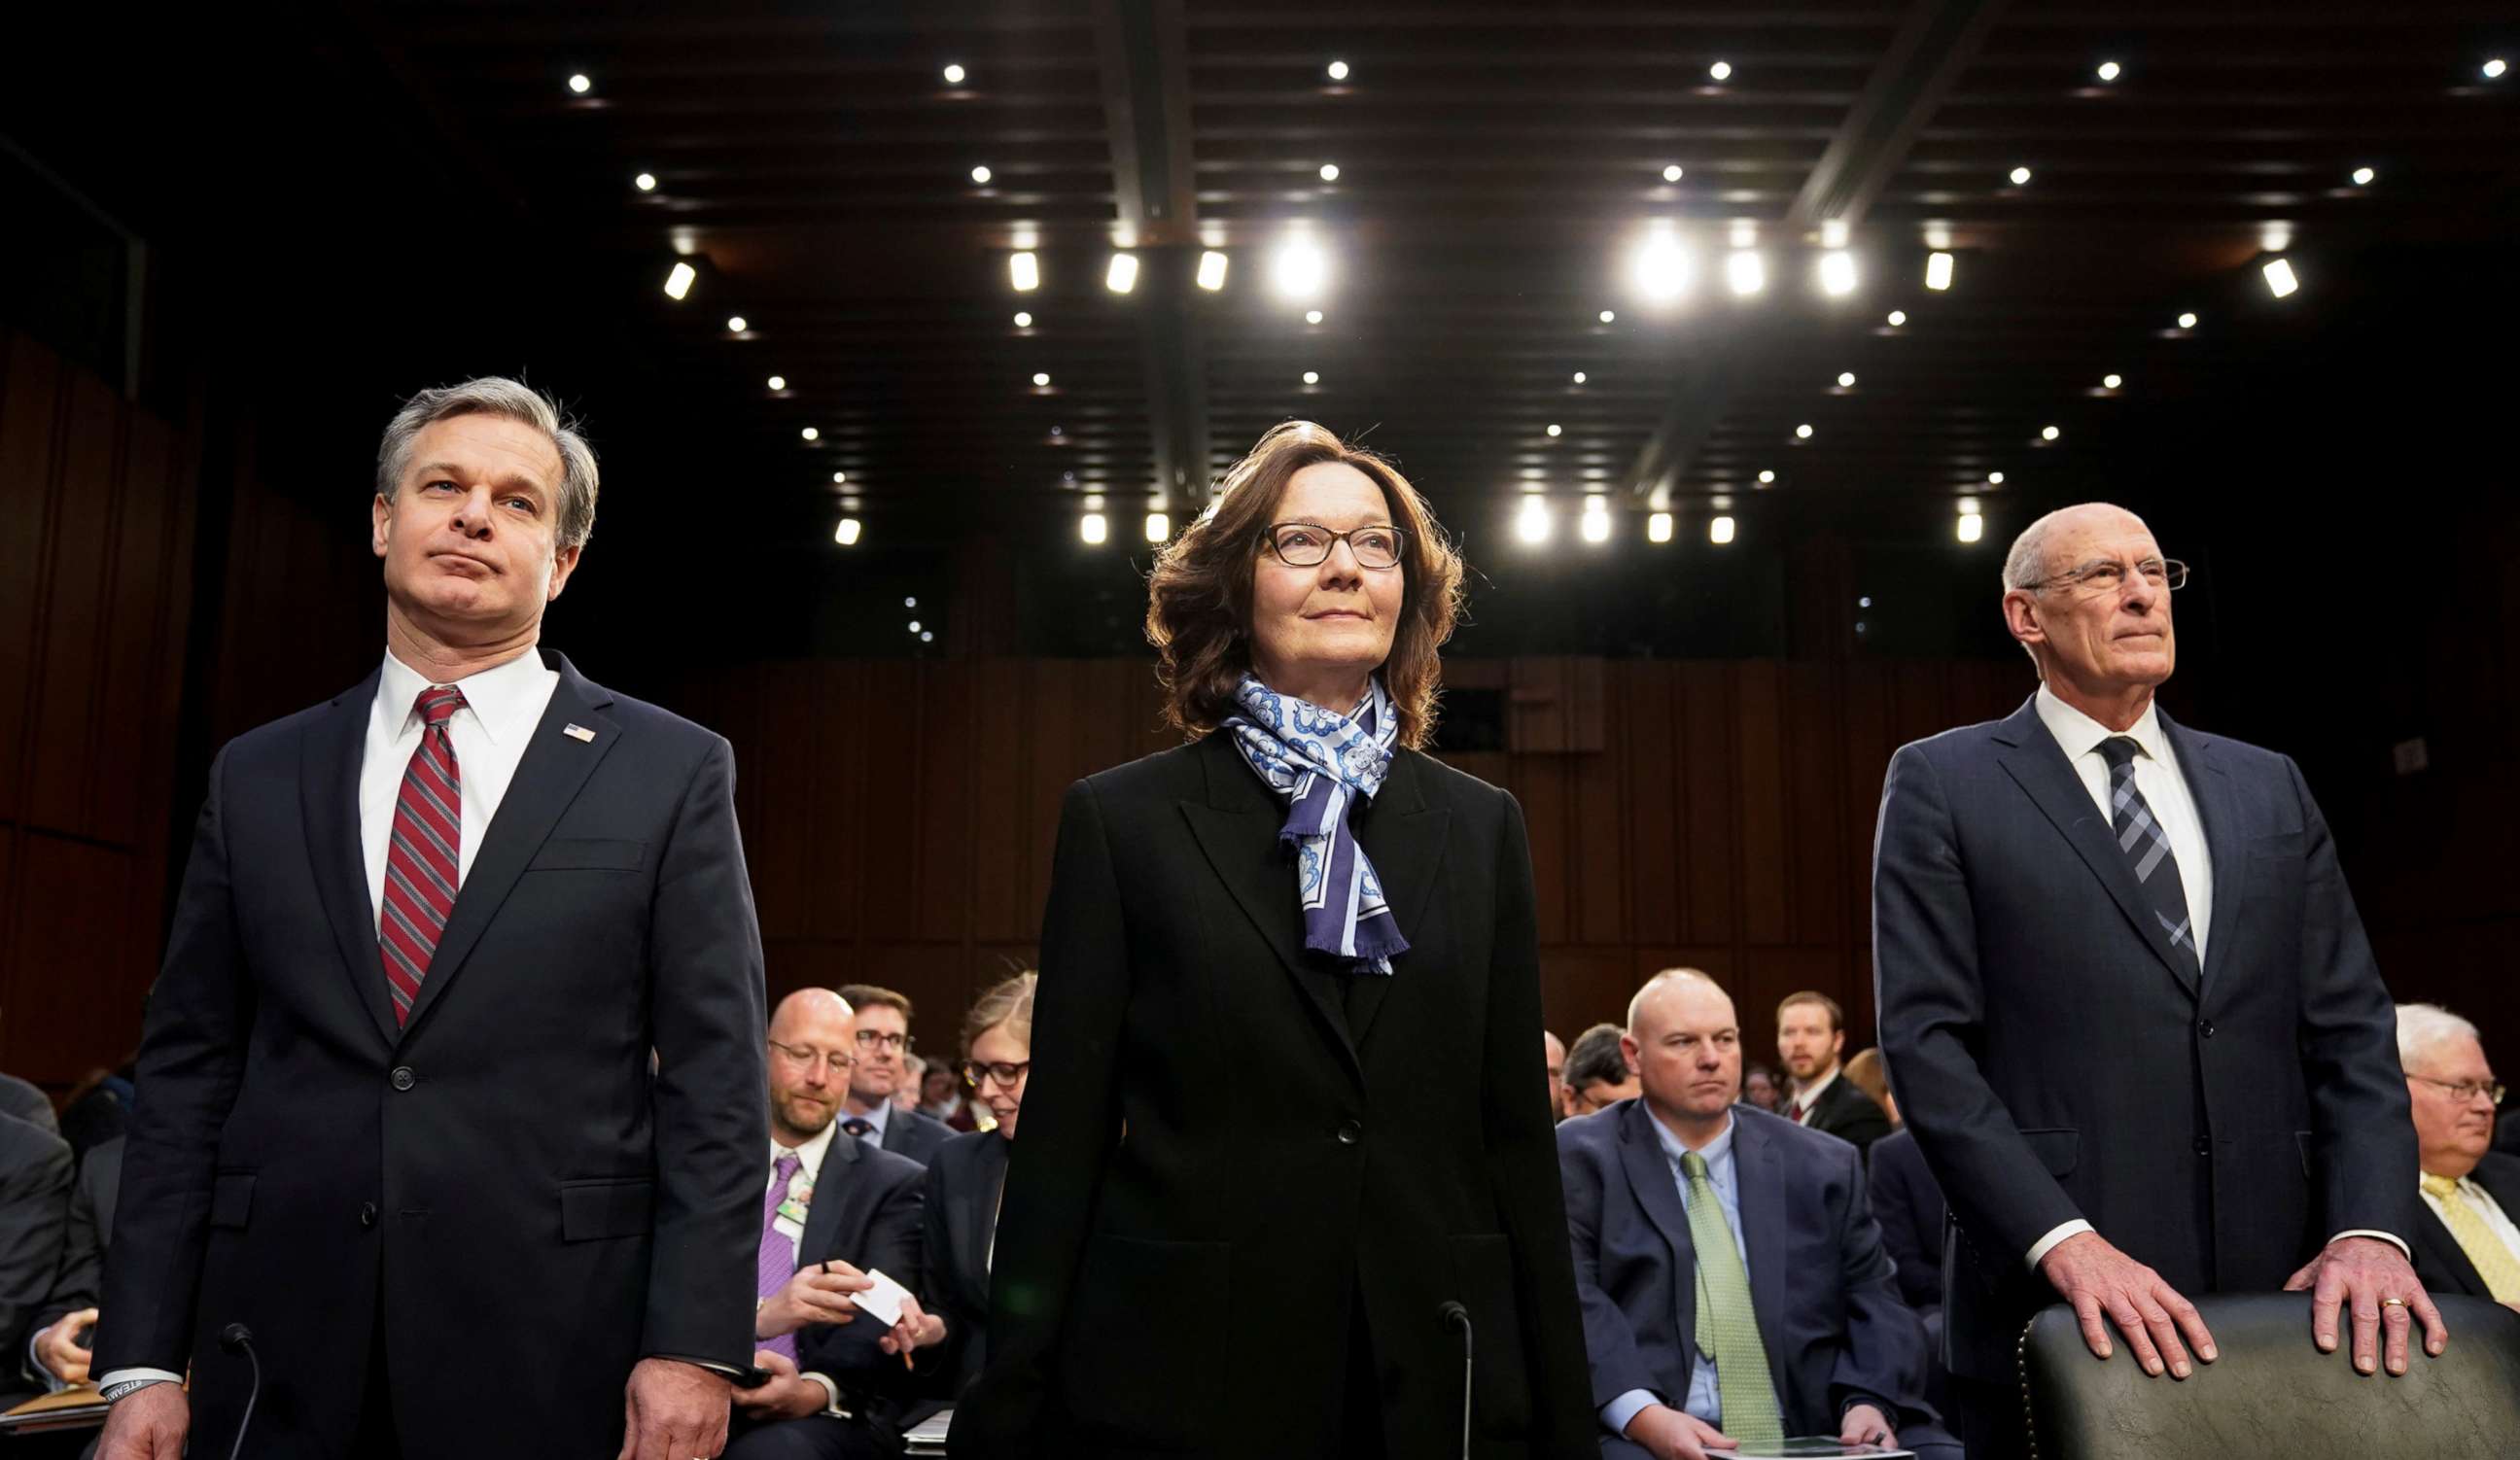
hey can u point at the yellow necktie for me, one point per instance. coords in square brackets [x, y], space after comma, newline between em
[2495, 1261]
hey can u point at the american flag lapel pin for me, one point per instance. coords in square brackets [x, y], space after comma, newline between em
[579, 732]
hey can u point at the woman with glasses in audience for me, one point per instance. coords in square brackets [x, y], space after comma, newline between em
[1288, 1159]
[958, 1220]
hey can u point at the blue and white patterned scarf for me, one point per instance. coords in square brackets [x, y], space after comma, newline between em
[1320, 762]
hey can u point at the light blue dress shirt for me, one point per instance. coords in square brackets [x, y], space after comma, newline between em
[1705, 1400]
[878, 1118]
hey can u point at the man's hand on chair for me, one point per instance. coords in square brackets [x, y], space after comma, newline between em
[2099, 1281]
[2371, 1280]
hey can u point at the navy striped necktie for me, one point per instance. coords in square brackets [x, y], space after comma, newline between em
[2148, 851]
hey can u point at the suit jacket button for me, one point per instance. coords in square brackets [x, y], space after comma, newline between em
[402, 1078]
[2205, 1026]
[1350, 1132]
[2204, 1145]
[367, 1215]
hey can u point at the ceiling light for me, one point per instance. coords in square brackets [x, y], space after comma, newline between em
[1673, 173]
[2494, 70]
[2280, 278]
[1721, 70]
[1609, 315]
[581, 83]
[1023, 270]
[1555, 429]
[1211, 270]
[1339, 71]
[1995, 478]
[1300, 268]
[1312, 316]
[677, 280]
[2111, 381]
[1661, 267]
[1594, 524]
[1767, 478]
[1159, 526]
[1658, 527]
[1745, 272]
[927, 636]
[910, 602]
[1531, 523]
[778, 382]
[2110, 71]
[982, 173]
[2020, 177]
[1579, 378]
[2049, 433]
[2364, 177]
[1803, 433]
[1837, 272]
[1041, 378]
[913, 626]
[811, 434]
[645, 182]
[1718, 530]
[1122, 276]
[954, 75]
[2187, 322]
[846, 533]
[1023, 319]
[1312, 377]
[1833, 233]
[1846, 379]
[1938, 270]
[1897, 317]
[1092, 527]
[1094, 502]
[1329, 172]
[736, 324]
[1969, 505]
[1970, 527]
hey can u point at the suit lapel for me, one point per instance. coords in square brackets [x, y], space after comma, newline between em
[555, 768]
[327, 794]
[979, 1213]
[2034, 760]
[830, 1193]
[2218, 806]
[1404, 839]
[1758, 1171]
[1658, 1191]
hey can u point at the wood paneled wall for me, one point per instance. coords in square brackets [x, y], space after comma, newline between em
[95, 559]
[899, 816]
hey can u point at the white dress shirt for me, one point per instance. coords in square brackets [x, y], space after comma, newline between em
[809, 1170]
[1805, 1099]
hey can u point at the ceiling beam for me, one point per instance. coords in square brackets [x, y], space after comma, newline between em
[1934, 45]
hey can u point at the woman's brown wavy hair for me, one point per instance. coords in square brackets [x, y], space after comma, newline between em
[1198, 600]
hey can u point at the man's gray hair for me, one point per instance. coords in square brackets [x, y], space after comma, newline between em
[2026, 564]
[2423, 1028]
[496, 395]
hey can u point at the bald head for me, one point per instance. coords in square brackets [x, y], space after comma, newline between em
[2087, 594]
[809, 1009]
[1686, 1043]
[2029, 562]
[1673, 992]
[810, 1030]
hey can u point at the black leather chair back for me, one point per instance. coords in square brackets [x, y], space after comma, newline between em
[2273, 1394]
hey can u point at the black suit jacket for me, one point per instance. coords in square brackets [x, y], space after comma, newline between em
[2056, 1061]
[1829, 1313]
[1225, 1145]
[2440, 1259]
[35, 1217]
[960, 1218]
[864, 1213]
[90, 1228]
[1910, 1207]
[1844, 1111]
[506, 1164]
[915, 1134]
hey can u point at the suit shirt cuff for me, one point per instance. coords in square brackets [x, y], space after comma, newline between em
[2391, 1238]
[36, 1369]
[142, 1376]
[2047, 1244]
[1619, 1412]
[830, 1395]
[726, 1371]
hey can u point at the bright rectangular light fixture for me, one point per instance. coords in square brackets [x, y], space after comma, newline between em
[1122, 276]
[1300, 268]
[1971, 527]
[1658, 528]
[1662, 268]
[2279, 277]
[1092, 527]
[1745, 272]
[1159, 526]
[1837, 272]
[1938, 270]
[1023, 270]
[1596, 522]
[1718, 530]
[1531, 523]
[846, 533]
[677, 280]
[1212, 270]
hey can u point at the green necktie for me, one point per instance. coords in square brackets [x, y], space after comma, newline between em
[1728, 1327]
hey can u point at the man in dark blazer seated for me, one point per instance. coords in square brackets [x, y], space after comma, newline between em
[2468, 1236]
[57, 1354]
[1732, 1282]
[34, 1216]
[2127, 1005]
[881, 1071]
[834, 1209]
[1811, 1039]
[450, 1087]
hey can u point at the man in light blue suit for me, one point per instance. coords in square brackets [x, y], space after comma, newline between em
[1731, 1277]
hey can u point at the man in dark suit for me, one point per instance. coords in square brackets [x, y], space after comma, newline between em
[1810, 1038]
[35, 1214]
[1910, 1207]
[2468, 1236]
[57, 1354]
[881, 1071]
[450, 1087]
[835, 1208]
[1732, 1282]
[2127, 1005]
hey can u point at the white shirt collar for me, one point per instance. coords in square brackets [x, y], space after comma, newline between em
[810, 1155]
[1805, 1099]
[496, 695]
[2079, 734]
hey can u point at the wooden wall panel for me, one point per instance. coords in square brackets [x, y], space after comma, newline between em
[30, 395]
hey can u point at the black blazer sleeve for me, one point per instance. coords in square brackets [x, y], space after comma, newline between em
[82, 1269]
[34, 1211]
[888, 1242]
[942, 1292]
[1071, 1110]
[192, 1059]
[711, 1113]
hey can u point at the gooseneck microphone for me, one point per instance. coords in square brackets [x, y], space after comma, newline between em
[1458, 1318]
[236, 1338]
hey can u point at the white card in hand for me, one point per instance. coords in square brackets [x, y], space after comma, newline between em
[882, 1301]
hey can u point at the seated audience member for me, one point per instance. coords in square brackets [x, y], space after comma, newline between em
[1908, 1204]
[960, 1216]
[1866, 1073]
[914, 1084]
[1732, 1282]
[881, 1073]
[1761, 1087]
[98, 1108]
[35, 1214]
[833, 1211]
[23, 1099]
[2466, 1240]
[58, 1352]
[1598, 1073]
[1811, 1035]
[940, 1094]
[1553, 1050]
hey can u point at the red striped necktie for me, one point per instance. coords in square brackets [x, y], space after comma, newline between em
[423, 864]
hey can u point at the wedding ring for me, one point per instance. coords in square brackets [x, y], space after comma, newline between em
[2393, 1303]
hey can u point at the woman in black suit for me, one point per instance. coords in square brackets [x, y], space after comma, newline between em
[1288, 1111]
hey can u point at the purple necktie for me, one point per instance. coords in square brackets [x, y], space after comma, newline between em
[777, 1254]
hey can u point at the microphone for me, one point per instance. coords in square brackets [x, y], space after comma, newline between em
[1458, 1318]
[236, 1338]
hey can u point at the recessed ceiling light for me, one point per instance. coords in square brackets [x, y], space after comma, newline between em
[2279, 277]
[1803, 433]
[1745, 272]
[1721, 70]
[913, 626]
[1312, 377]
[2187, 322]
[2110, 71]
[1159, 526]
[1312, 316]
[2049, 433]
[846, 533]
[644, 181]
[1672, 173]
[1938, 270]
[1967, 505]
[1023, 270]
[1023, 319]
[1092, 527]
[1970, 527]
[1531, 523]
[839, 478]
[2020, 177]
[1329, 172]
[954, 75]
[1661, 267]
[1339, 71]
[1211, 270]
[2112, 381]
[1846, 379]
[1300, 268]
[1658, 527]
[581, 83]
[926, 635]
[2364, 177]
[1767, 478]
[1594, 524]
[736, 323]
[1041, 378]
[1837, 272]
[1718, 530]
[778, 382]
[1995, 478]
[2494, 70]
[982, 173]
[1555, 429]
[1579, 378]
[677, 280]
[1897, 317]
[1122, 276]
[811, 434]
[1608, 315]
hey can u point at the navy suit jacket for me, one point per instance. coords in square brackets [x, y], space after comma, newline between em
[1910, 1207]
[2438, 1258]
[1829, 1313]
[561, 1147]
[961, 1217]
[2056, 1059]
[915, 1134]
[864, 1213]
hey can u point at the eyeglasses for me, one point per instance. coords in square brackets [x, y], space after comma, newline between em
[1307, 545]
[1008, 1076]
[2464, 1090]
[806, 1056]
[2094, 578]
[868, 1038]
